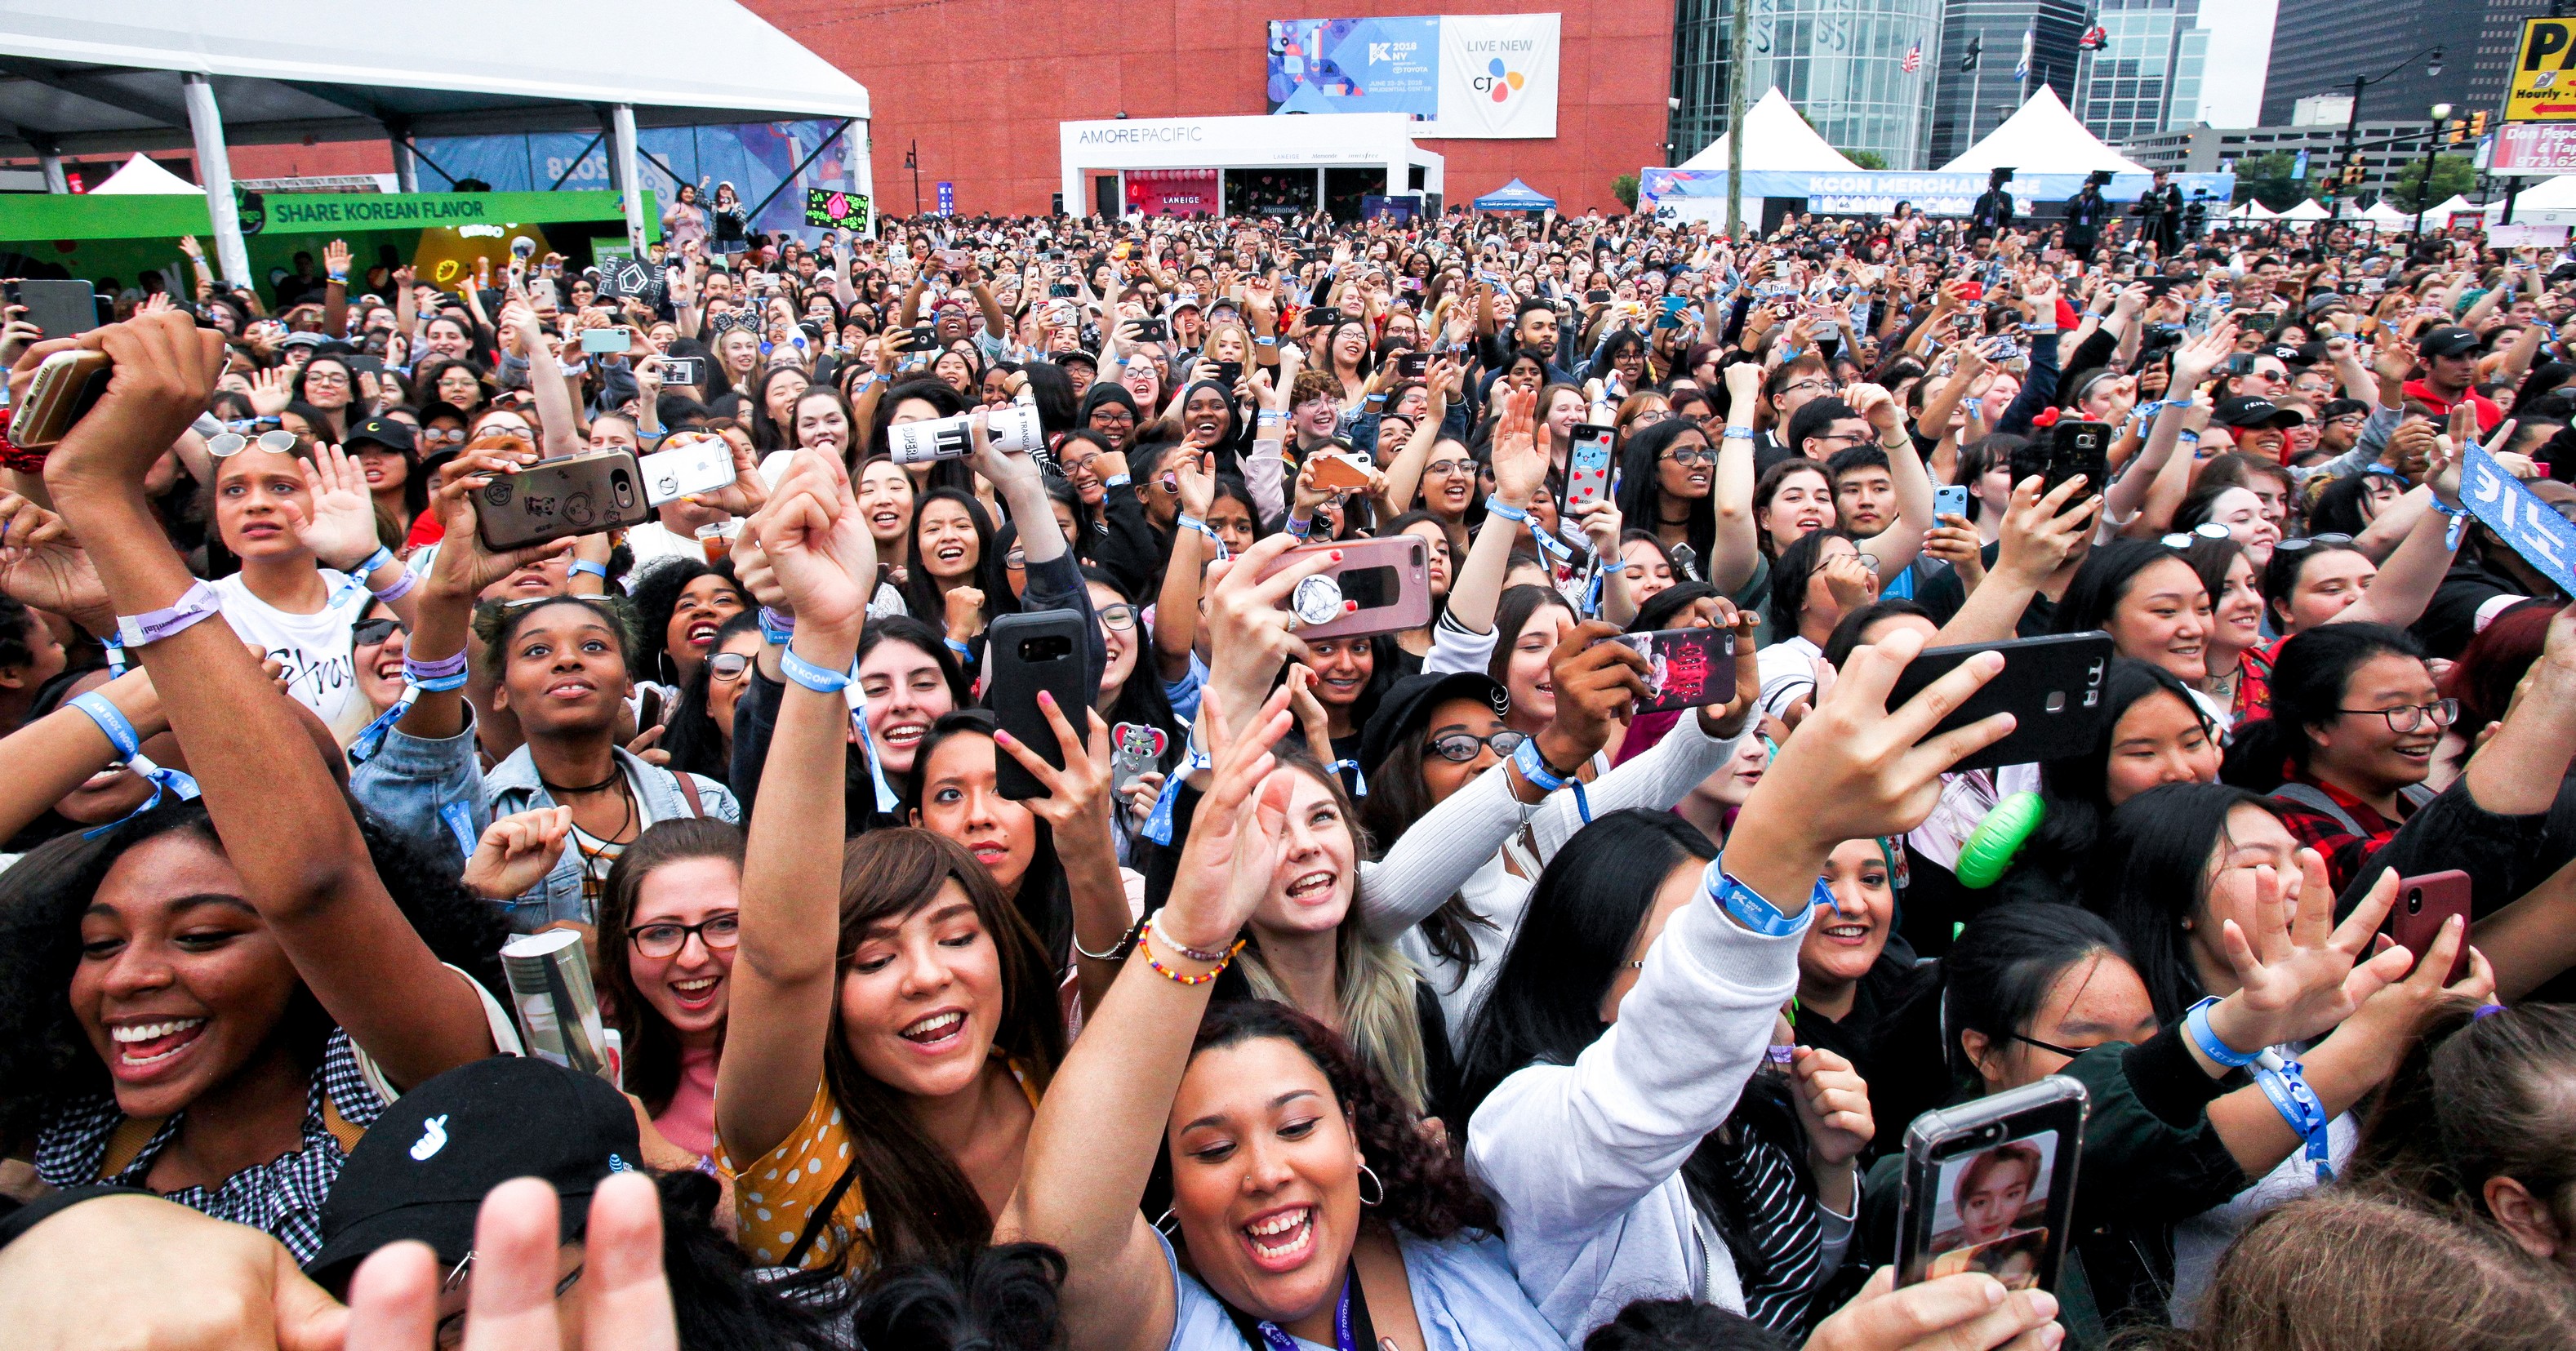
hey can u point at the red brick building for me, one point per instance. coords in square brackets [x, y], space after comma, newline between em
[982, 84]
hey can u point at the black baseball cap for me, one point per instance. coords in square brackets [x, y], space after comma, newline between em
[2448, 341]
[422, 1170]
[386, 432]
[1077, 356]
[2247, 412]
[1406, 709]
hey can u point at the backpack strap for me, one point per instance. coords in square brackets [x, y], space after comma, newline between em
[126, 1143]
[822, 1216]
[2315, 799]
[689, 791]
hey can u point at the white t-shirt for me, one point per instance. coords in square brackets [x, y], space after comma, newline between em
[320, 668]
[1788, 672]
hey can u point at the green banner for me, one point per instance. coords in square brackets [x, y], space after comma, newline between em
[52, 216]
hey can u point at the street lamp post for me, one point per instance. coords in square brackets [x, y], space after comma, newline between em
[912, 161]
[2352, 119]
[2424, 190]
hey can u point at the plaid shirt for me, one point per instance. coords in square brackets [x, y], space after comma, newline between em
[2343, 851]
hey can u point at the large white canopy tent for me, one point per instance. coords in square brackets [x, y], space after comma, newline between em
[1776, 138]
[2551, 201]
[78, 77]
[2307, 210]
[2041, 137]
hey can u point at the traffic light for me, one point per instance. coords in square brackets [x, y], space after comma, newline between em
[2478, 122]
[2457, 134]
[2352, 175]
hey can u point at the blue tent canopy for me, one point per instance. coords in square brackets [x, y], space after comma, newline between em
[1515, 196]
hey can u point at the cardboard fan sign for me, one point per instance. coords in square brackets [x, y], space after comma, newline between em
[630, 277]
[2519, 517]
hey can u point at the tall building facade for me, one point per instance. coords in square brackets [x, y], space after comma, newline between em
[2318, 46]
[2146, 78]
[1968, 104]
[1842, 65]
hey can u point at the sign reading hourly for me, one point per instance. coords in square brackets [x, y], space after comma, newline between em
[2542, 87]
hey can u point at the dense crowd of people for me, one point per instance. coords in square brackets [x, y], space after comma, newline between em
[1308, 988]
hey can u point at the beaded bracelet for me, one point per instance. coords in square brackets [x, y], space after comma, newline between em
[1194, 954]
[1144, 943]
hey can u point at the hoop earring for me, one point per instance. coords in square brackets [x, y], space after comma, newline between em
[1162, 1220]
[1372, 1177]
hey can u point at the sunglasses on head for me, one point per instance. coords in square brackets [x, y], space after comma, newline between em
[225, 445]
[2183, 539]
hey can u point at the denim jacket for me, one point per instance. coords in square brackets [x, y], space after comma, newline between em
[513, 787]
[435, 793]
[428, 791]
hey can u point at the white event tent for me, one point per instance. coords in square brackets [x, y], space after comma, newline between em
[2306, 210]
[140, 176]
[2551, 201]
[82, 78]
[1776, 138]
[2042, 137]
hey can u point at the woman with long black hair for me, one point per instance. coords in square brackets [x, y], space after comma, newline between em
[1775, 1181]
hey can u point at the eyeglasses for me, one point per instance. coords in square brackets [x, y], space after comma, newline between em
[2184, 539]
[441, 436]
[1112, 413]
[1687, 456]
[2410, 717]
[1808, 387]
[225, 445]
[370, 632]
[1445, 467]
[1460, 747]
[2308, 541]
[1017, 560]
[728, 666]
[1652, 416]
[2070, 1052]
[666, 939]
[1121, 617]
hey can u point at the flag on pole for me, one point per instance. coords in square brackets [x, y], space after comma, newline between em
[1914, 58]
[1968, 59]
[2021, 68]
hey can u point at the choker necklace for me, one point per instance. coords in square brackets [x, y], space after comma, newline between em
[1662, 519]
[614, 774]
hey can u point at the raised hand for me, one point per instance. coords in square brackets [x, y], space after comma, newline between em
[1239, 832]
[1519, 466]
[1970, 1311]
[164, 370]
[623, 1297]
[44, 568]
[1833, 1105]
[335, 258]
[516, 852]
[270, 391]
[342, 529]
[2039, 533]
[1196, 475]
[1598, 683]
[1249, 637]
[2299, 972]
[462, 567]
[1077, 797]
[822, 553]
[2197, 357]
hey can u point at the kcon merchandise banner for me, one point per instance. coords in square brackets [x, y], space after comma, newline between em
[1470, 76]
[1172, 192]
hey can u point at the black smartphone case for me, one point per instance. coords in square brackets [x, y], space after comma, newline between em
[1023, 654]
[2052, 686]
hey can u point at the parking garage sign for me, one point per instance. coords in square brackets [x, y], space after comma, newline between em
[2543, 88]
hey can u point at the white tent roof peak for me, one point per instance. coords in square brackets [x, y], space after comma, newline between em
[140, 176]
[2041, 138]
[1776, 139]
[2306, 210]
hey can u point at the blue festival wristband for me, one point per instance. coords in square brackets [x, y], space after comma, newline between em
[1753, 910]
[2284, 1083]
[582, 565]
[2195, 1023]
[821, 680]
[775, 628]
[111, 722]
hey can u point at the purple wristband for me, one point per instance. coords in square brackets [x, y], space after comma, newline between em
[402, 587]
[440, 669]
[196, 604]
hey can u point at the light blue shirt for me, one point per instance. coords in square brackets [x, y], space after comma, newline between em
[1464, 1295]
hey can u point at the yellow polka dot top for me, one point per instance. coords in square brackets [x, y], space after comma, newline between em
[774, 1196]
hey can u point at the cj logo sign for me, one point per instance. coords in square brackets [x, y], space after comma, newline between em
[1496, 83]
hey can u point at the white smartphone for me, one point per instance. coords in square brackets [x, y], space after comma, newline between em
[700, 465]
